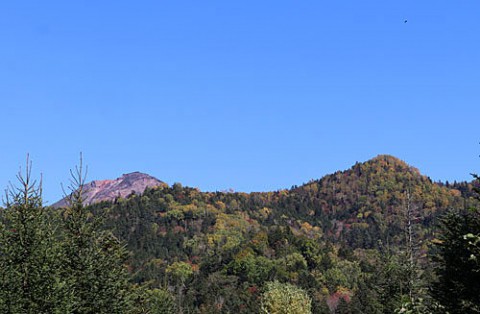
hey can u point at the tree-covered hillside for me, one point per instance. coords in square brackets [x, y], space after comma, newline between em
[356, 241]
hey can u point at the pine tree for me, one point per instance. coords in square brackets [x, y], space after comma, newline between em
[30, 281]
[458, 286]
[94, 259]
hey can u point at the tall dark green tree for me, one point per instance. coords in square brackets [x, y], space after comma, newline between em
[458, 286]
[93, 259]
[30, 281]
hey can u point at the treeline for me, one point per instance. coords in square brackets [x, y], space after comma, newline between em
[377, 238]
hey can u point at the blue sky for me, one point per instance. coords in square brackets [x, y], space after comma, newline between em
[249, 95]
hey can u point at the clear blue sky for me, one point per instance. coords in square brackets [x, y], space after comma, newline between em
[249, 95]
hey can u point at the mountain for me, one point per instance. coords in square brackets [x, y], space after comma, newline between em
[342, 238]
[110, 190]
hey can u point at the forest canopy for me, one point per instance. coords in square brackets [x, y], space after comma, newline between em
[377, 238]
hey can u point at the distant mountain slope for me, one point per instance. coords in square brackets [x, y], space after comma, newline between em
[109, 190]
[378, 184]
[367, 202]
[340, 237]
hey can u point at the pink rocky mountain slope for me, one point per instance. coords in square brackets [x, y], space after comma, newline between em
[109, 190]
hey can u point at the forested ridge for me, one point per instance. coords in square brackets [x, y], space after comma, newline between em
[370, 239]
[342, 239]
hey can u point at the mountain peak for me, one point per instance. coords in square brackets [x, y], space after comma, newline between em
[388, 159]
[389, 162]
[109, 190]
[382, 171]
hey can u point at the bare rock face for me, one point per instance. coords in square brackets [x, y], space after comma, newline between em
[109, 190]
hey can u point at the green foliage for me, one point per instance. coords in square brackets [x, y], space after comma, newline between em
[341, 238]
[338, 243]
[222, 293]
[30, 280]
[417, 307]
[156, 301]
[93, 259]
[280, 298]
[249, 267]
[52, 264]
[458, 285]
[180, 271]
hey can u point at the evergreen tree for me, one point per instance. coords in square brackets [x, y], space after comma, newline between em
[93, 260]
[30, 281]
[458, 286]
[156, 301]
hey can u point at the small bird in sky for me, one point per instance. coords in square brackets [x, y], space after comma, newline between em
[405, 21]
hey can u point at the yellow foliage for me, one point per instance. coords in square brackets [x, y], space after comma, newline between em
[265, 212]
[306, 227]
[455, 193]
[220, 205]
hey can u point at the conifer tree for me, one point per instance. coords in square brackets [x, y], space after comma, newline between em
[94, 259]
[29, 270]
[458, 286]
